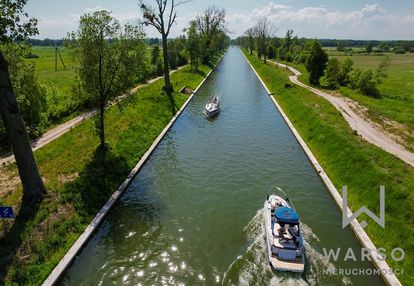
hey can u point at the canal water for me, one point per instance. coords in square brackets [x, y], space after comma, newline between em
[193, 215]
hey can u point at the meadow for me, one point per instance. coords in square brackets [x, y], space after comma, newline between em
[351, 161]
[396, 103]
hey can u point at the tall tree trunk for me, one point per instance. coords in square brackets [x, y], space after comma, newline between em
[102, 123]
[168, 87]
[33, 188]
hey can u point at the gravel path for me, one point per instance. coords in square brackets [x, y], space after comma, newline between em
[366, 129]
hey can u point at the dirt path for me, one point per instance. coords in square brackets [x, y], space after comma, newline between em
[58, 131]
[366, 129]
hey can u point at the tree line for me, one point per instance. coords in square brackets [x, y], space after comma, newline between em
[110, 59]
[262, 39]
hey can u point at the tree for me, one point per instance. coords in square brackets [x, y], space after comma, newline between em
[250, 34]
[264, 31]
[155, 17]
[110, 59]
[332, 72]
[369, 47]
[288, 43]
[212, 30]
[367, 85]
[340, 46]
[155, 54]
[14, 28]
[316, 62]
[344, 73]
[382, 71]
[193, 46]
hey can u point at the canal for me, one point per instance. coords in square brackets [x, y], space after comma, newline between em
[193, 215]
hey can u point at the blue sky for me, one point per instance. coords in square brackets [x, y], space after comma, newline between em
[377, 19]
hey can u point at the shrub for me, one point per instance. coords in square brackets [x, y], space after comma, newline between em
[367, 85]
[271, 52]
[332, 72]
[345, 71]
[399, 50]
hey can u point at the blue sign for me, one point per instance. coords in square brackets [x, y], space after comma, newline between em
[6, 212]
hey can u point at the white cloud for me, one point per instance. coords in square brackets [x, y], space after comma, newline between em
[369, 22]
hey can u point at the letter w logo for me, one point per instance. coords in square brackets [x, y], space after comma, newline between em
[347, 220]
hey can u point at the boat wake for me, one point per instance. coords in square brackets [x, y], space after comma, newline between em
[252, 267]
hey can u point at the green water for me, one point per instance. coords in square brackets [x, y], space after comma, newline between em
[193, 215]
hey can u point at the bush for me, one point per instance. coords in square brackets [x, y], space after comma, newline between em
[271, 52]
[367, 85]
[344, 73]
[332, 72]
[399, 50]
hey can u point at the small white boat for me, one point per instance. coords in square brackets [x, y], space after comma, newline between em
[212, 107]
[285, 244]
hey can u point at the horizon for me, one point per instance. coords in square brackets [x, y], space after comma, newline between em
[377, 20]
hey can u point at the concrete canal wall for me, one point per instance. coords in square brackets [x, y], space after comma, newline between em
[90, 229]
[360, 233]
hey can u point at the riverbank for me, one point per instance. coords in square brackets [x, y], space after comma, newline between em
[70, 166]
[350, 161]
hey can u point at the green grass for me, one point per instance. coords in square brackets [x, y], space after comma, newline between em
[45, 68]
[70, 166]
[349, 160]
[397, 97]
[394, 110]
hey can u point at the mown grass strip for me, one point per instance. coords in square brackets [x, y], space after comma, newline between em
[79, 179]
[349, 160]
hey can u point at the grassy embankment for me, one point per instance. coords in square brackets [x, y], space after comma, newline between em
[63, 102]
[79, 179]
[397, 97]
[349, 160]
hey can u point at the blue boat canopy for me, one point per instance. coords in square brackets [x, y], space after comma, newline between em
[286, 215]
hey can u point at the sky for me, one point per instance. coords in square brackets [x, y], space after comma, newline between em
[345, 19]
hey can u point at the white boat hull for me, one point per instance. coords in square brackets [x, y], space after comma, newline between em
[282, 259]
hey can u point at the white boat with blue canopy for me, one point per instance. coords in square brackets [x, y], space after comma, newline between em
[285, 244]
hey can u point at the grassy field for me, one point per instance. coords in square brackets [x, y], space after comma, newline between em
[397, 97]
[70, 166]
[45, 68]
[350, 161]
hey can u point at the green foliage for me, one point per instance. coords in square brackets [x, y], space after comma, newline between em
[332, 72]
[340, 46]
[155, 54]
[382, 71]
[193, 45]
[111, 59]
[212, 31]
[365, 82]
[12, 24]
[368, 48]
[288, 43]
[271, 52]
[344, 73]
[399, 50]
[316, 62]
[30, 95]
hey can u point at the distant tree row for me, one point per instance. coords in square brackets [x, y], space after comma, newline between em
[262, 39]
